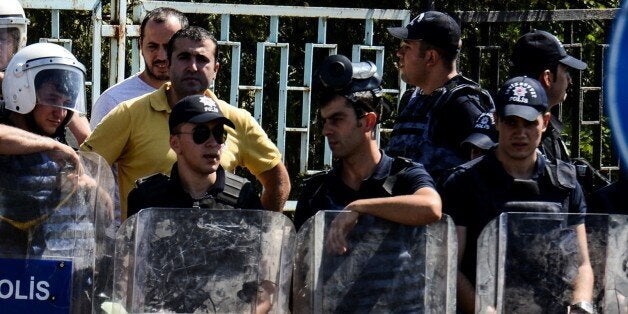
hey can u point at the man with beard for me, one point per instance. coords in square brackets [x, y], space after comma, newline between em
[155, 31]
[135, 134]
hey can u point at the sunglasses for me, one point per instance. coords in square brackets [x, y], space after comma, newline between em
[202, 133]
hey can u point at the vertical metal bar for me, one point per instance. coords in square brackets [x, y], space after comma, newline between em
[225, 20]
[259, 82]
[137, 60]
[235, 75]
[379, 61]
[96, 49]
[356, 52]
[113, 45]
[122, 40]
[322, 30]
[306, 107]
[368, 32]
[54, 24]
[274, 29]
[283, 100]
[225, 26]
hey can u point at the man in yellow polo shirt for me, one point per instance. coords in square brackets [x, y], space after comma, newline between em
[135, 134]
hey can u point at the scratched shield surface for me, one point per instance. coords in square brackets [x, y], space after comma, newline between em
[204, 261]
[528, 262]
[388, 268]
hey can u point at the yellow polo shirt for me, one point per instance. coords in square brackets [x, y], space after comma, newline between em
[135, 135]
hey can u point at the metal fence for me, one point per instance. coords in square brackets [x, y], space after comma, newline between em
[484, 58]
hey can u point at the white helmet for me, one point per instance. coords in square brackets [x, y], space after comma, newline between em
[38, 64]
[12, 16]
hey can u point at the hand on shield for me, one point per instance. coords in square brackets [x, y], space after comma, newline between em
[340, 228]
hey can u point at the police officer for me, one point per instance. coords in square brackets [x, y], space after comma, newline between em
[440, 113]
[515, 171]
[364, 182]
[197, 136]
[43, 88]
[13, 24]
[45, 195]
[483, 137]
[350, 109]
[540, 55]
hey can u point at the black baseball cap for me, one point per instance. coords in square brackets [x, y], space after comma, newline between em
[196, 109]
[540, 46]
[436, 28]
[484, 134]
[522, 97]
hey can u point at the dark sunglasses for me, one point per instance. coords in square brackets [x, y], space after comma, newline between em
[202, 133]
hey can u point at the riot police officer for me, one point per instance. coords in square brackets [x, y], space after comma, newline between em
[13, 24]
[197, 136]
[514, 172]
[43, 88]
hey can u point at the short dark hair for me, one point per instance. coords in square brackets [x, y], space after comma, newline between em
[161, 15]
[64, 81]
[362, 102]
[533, 70]
[193, 33]
[449, 56]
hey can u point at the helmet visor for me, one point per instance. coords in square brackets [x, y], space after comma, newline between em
[63, 88]
[9, 43]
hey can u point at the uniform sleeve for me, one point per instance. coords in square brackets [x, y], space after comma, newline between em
[414, 178]
[134, 202]
[110, 137]
[577, 205]
[304, 211]
[453, 199]
[461, 114]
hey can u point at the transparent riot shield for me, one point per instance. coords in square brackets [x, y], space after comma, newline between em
[529, 263]
[388, 268]
[203, 261]
[55, 218]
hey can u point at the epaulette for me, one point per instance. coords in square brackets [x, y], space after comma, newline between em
[150, 181]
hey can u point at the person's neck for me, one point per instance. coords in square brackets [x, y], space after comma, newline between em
[441, 77]
[360, 165]
[194, 183]
[172, 96]
[153, 82]
[517, 168]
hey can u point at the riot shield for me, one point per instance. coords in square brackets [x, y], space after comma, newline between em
[203, 261]
[55, 218]
[388, 268]
[529, 263]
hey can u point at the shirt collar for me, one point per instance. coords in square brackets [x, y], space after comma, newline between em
[380, 173]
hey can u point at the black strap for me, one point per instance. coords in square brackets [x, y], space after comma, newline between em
[233, 192]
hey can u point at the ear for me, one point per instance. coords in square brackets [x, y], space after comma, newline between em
[432, 57]
[546, 78]
[371, 120]
[175, 143]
